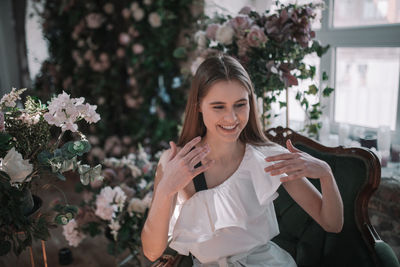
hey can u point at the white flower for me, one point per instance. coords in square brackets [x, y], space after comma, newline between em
[135, 171]
[224, 34]
[64, 112]
[71, 234]
[154, 20]
[114, 226]
[147, 199]
[16, 167]
[147, 2]
[195, 65]
[136, 205]
[94, 20]
[201, 39]
[10, 99]
[138, 14]
[134, 6]
[109, 201]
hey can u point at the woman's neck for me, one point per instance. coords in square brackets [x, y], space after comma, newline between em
[224, 151]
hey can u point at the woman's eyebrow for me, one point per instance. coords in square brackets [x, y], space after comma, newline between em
[221, 102]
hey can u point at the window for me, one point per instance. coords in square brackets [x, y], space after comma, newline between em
[363, 63]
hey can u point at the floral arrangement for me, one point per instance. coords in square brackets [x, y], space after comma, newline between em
[125, 56]
[28, 154]
[272, 46]
[117, 205]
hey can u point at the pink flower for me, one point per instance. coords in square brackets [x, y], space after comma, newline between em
[71, 233]
[103, 57]
[126, 13]
[212, 30]
[108, 8]
[124, 38]
[256, 36]
[94, 20]
[241, 23]
[137, 49]
[154, 20]
[138, 14]
[224, 34]
[195, 65]
[245, 10]
[120, 52]
[88, 55]
[132, 81]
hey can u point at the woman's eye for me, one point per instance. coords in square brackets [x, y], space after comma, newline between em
[218, 107]
[240, 105]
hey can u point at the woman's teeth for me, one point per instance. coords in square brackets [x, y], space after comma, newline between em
[228, 127]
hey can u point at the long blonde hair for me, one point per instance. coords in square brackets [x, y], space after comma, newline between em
[212, 70]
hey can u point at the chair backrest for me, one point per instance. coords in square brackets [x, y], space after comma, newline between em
[357, 174]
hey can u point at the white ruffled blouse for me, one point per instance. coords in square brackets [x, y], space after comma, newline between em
[234, 218]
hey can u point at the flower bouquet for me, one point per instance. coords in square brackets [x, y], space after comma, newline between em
[117, 205]
[272, 46]
[28, 155]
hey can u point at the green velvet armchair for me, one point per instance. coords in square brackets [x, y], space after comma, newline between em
[357, 172]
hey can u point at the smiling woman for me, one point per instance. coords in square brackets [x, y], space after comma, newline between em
[214, 190]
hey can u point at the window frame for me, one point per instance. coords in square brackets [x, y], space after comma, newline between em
[382, 35]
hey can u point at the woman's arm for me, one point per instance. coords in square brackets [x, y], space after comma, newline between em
[325, 209]
[174, 171]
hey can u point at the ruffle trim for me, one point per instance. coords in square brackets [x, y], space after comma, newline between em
[242, 198]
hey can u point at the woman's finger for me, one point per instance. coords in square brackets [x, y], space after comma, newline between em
[189, 146]
[200, 156]
[202, 168]
[282, 157]
[293, 176]
[281, 164]
[286, 169]
[194, 152]
[173, 150]
[291, 147]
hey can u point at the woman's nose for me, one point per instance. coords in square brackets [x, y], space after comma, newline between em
[230, 116]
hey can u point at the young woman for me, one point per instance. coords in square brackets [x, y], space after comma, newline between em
[214, 190]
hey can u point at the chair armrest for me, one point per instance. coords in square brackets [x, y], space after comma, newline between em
[385, 255]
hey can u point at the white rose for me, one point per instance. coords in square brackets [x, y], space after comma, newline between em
[201, 39]
[224, 34]
[154, 20]
[136, 205]
[138, 14]
[16, 167]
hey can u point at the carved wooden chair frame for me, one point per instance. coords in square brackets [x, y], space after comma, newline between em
[280, 135]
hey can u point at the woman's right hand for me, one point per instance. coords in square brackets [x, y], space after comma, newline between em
[179, 168]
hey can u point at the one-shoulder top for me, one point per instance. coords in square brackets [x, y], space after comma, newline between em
[232, 218]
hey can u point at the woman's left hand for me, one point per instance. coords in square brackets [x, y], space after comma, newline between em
[297, 164]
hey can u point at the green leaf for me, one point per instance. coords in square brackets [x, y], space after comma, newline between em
[327, 91]
[282, 104]
[312, 89]
[298, 95]
[324, 76]
[179, 52]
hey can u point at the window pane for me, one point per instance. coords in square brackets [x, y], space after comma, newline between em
[366, 88]
[228, 7]
[350, 13]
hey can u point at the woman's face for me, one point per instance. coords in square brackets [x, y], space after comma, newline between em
[225, 110]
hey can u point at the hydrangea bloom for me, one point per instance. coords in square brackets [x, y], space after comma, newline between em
[109, 201]
[72, 235]
[64, 112]
[10, 99]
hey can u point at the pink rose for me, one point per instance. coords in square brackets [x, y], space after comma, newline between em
[124, 38]
[108, 8]
[126, 13]
[137, 49]
[212, 30]
[245, 10]
[256, 36]
[103, 57]
[154, 20]
[120, 52]
[241, 22]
